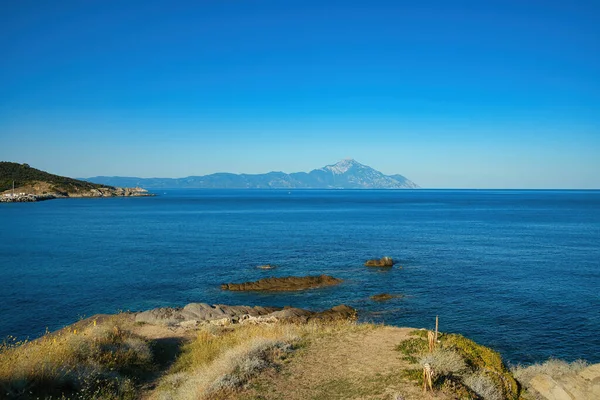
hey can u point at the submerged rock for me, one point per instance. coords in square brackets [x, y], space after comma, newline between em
[385, 296]
[195, 314]
[289, 283]
[383, 262]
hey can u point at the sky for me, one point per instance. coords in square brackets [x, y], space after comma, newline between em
[451, 94]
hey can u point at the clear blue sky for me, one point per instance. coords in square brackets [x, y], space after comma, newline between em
[501, 94]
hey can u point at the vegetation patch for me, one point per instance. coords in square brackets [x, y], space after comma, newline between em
[460, 367]
[101, 362]
[412, 349]
[23, 174]
[485, 363]
[413, 374]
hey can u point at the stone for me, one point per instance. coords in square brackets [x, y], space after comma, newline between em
[591, 373]
[583, 385]
[160, 316]
[382, 262]
[548, 388]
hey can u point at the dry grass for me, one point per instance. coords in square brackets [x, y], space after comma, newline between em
[356, 362]
[89, 362]
[221, 361]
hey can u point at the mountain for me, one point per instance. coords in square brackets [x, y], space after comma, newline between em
[346, 174]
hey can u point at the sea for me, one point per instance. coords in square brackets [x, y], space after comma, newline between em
[515, 270]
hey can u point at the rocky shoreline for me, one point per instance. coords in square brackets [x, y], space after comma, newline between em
[262, 352]
[26, 198]
[195, 314]
[30, 194]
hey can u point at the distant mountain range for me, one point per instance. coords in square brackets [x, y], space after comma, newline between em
[346, 174]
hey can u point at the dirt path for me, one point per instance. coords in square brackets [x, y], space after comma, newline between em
[166, 346]
[351, 365]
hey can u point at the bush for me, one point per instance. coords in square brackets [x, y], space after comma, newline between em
[484, 386]
[259, 357]
[444, 362]
[481, 358]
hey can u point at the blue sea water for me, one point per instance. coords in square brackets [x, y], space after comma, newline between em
[515, 270]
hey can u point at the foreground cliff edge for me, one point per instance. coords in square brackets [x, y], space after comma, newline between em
[22, 183]
[207, 351]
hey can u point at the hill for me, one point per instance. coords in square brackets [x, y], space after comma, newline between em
[32, 184]
[346, 174]
[23, 174]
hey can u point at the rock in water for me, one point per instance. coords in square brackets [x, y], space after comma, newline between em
[383, 262]
[289, 283]
[385, 296]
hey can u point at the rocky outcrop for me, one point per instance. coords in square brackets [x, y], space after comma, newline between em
[290, 283]
[583, 385]
[110, 192]
[195, 314]
[383, 262]
[38, 190]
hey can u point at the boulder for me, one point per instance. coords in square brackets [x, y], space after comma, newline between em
[549, 388]
[382, 262]
[582, 385]
[160, 316]
[289, 283]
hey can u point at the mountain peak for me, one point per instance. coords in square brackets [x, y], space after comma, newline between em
[342, 166]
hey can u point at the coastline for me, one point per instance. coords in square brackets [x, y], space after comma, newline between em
[30, 194]
[26, 198]
[235, 353]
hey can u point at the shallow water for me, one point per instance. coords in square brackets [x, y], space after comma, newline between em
[515, 270]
